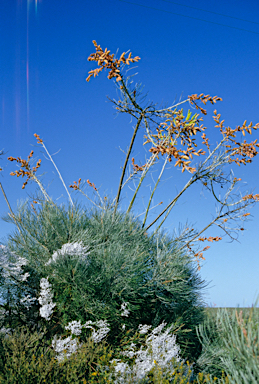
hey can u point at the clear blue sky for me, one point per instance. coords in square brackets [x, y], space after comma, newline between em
[206, 49]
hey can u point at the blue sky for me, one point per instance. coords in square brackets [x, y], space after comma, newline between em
[185, 48]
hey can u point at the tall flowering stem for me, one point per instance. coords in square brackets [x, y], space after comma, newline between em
[175, 138]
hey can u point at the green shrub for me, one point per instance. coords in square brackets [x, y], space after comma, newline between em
[124, 266]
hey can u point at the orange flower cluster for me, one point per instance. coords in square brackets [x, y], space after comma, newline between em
[249, 197]
[34, 210]
[210, 238]
[105, 60]
[25, 164]
[75, 186]
[242, 153]
[40, 141]
[91, 185]
[198, 255]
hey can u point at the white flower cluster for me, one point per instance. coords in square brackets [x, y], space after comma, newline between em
[65, 347]
[125, 311]
[45, 299]
[12, 268]
[27, 301]
[161, 348]
[11, 265]
[101, 333]
[72, 249]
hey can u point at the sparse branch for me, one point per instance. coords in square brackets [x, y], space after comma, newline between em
[173, 106]
[76, 187]
[149, 209]
[144, 173]
[220, 216]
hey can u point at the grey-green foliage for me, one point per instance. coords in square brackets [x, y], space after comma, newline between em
[231, 343]
[39, 235]
[124, 265]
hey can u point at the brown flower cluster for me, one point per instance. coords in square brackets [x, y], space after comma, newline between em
[240, 153]
[198, 255]
[25, 164]
[180, 129]
[76, 186]
[137, 167]
[34, 210]
[107, 61]
[204, 99]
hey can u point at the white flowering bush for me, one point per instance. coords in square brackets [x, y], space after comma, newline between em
[45, 299]
[160, 349]
[160, 345]
[74, 250]
[17, 293]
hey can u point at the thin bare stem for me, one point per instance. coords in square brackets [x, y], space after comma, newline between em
[190, 182]
[173, 106]
[150, 210]
[71, 201]
[149, 165]
[126, 161]
[89, 199]
[12, 214]
[41, 187]
[155, 187]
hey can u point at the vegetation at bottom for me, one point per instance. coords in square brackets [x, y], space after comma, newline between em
[26, 357]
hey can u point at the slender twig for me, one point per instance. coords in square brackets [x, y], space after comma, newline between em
[209, 225]
[71, 201]
[155, 187]
[12, 214]
[173, 106]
